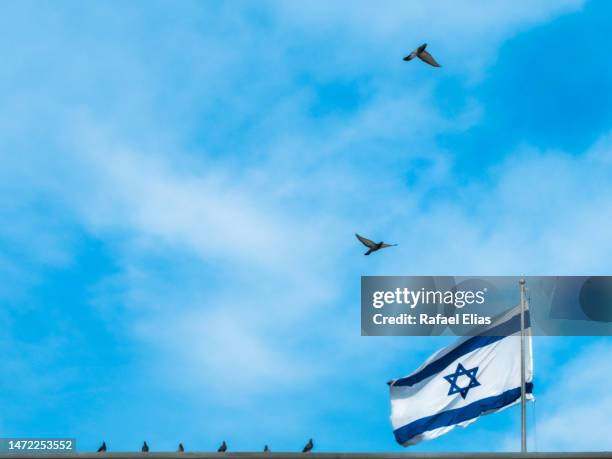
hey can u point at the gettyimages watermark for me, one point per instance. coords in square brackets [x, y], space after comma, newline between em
[456, 305]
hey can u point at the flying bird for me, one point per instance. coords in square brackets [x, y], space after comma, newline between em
[266, 449]
[423, 55]
[308, 446]
[223, 447]
[371, 245]
[181, 448]
[102, 448]
[145, 447]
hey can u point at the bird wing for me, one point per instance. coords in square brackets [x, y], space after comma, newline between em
[410, 56]
[366, 241]
[426, 57]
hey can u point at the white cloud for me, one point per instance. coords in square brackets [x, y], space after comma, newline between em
[536, 213]
[574, 414]
[465, 39]
[271, 220]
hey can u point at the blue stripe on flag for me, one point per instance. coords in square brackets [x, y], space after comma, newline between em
[457, 415]
[502, 330]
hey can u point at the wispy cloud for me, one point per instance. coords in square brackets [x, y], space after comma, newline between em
[219, 166]
[572, 413]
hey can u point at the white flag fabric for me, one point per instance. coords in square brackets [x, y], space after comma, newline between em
[478, 375]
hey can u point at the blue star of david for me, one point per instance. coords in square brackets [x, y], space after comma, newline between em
[452, 379]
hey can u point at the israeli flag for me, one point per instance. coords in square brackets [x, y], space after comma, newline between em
[478, 375]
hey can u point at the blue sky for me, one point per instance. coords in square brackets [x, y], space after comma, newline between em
[180, 185]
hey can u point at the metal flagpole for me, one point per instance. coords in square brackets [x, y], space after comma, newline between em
[523, 407]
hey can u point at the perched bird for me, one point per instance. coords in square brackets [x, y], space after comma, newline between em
[266, 449]
[181, 448]
[423, 55]
[308, 446]
[223, 447]
[145, 447]
[102, 448]
[371, 245]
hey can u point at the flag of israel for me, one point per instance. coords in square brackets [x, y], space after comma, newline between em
[477, 375]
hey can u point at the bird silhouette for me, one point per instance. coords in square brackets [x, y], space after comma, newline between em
[223, 447]
[423, 55]
[371, 245]
[266, 449]
[145, 447]
[181, 448]
[308, 446]
[102, 448]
